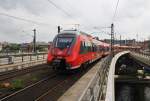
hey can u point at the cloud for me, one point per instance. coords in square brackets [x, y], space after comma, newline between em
[131, 19]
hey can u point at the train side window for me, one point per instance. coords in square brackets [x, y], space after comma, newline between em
[96, 48]
[83, 47]
[92, 47]
[100, 48]
[89, 47]
[86, 47]
[82, 44]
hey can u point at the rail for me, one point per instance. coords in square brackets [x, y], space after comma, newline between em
[24, 57]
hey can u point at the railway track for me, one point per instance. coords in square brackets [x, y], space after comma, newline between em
[14, 73]
[49, 88]
[24, 92]
[56, 91]
[42, 89]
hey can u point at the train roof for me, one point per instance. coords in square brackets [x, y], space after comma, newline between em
[75, 32]
[69, 32]
[96, 41]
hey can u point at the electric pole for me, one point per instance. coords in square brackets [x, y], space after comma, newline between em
[136, 39]
[120, 40]
[34, 41]
[59, 29]
[112, 39]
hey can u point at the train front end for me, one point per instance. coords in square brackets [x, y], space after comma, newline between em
[61, 55]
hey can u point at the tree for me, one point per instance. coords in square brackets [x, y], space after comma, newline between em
[12, 48]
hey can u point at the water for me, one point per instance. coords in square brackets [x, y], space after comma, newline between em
[130, 92]
[147, 93]
[125, 93]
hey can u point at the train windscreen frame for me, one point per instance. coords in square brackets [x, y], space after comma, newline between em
[64, 42]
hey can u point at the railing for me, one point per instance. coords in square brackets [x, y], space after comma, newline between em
[143, 54]
[140, 56]
[19, 58]
[96, 89]
[20, 66]
[146, 54]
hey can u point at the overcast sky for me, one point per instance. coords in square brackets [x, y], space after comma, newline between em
[132, 18]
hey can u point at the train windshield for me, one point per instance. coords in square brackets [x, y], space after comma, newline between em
[64, 42]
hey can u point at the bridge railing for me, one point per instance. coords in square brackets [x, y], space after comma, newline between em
[142, 57]
[143, 54]
[96, 88]
[24, 57]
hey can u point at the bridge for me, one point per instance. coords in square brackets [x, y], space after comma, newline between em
[113, 78]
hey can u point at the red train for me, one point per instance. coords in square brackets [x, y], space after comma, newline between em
[73, 49]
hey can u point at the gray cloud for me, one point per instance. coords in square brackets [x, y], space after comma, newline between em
[132, 17]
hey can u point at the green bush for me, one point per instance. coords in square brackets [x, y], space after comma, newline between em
[17, 84]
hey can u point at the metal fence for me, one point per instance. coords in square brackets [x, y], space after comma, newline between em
[96, 89]
[19, 58]
[146, 53]
[140, 56]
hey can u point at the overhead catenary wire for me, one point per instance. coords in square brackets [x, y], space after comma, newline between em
[23, 19]
[70, 7]
[62, 10]
[115, 12]
[113, 17]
